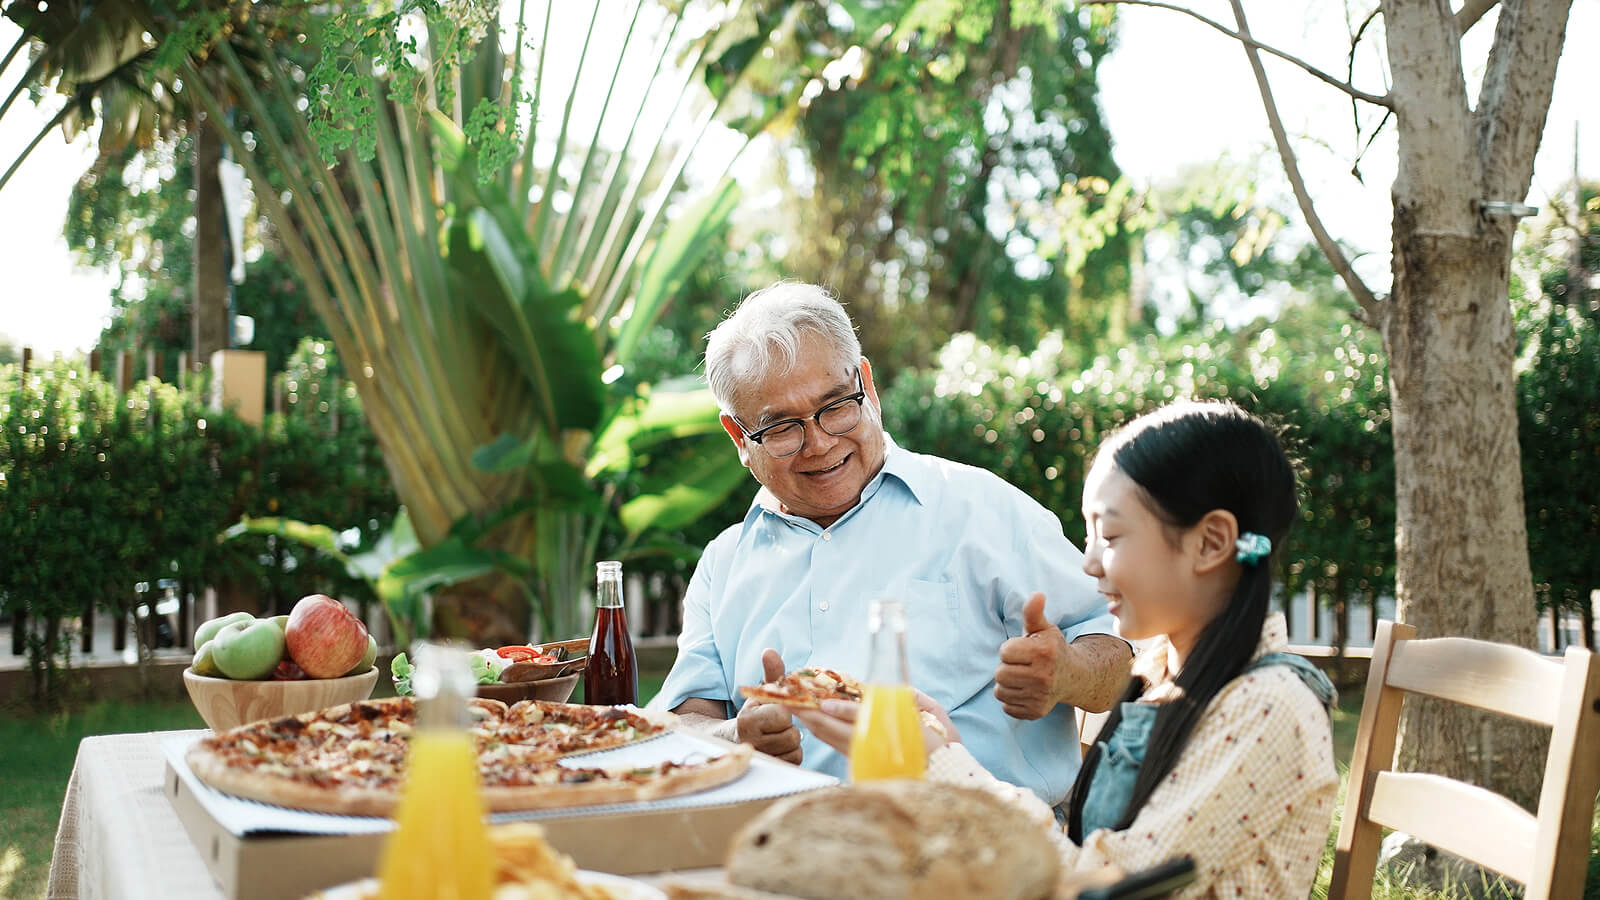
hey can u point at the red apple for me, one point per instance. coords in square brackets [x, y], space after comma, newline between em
[323, 637]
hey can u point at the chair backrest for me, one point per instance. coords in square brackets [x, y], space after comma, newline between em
[1089, 725]
[1547, 852]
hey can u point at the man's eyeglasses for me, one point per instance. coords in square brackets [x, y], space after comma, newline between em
[785, 437]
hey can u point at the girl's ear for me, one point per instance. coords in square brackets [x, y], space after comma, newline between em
[1216, 531]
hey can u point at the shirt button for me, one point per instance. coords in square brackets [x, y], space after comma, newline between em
[827, 535]
[823, 606]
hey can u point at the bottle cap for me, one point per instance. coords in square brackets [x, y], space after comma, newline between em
[443, 680]
[890, 611]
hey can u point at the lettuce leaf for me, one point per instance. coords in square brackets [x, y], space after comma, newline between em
[400, 669]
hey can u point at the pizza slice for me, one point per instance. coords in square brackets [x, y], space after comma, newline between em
[541, 730]
[805, 688]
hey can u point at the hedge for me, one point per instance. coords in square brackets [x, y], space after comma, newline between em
[1036, 422]
[102, 497]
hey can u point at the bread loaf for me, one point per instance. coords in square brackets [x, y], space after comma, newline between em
[890, 840]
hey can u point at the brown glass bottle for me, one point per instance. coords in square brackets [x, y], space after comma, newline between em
[611, 676]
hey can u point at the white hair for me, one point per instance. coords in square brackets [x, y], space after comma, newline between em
[762, 337]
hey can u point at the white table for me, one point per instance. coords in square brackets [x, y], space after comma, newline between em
[119, 836]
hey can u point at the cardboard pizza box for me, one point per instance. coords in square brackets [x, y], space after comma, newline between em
[256, 852]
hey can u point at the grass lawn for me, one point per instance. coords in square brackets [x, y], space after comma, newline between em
[36, 756]
[37, 752]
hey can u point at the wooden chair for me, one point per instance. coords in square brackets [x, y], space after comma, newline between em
[1089, 725]
[1547, 852]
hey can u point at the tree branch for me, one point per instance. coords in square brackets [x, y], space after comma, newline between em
[1330, 248]
[1252, 45]
[1350, 73]
[1515, 96]
[26, 151]
[1471, 11]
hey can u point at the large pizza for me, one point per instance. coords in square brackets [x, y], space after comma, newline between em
[351, 759]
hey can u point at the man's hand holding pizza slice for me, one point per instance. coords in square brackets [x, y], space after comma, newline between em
[769, 727]
[826, 702]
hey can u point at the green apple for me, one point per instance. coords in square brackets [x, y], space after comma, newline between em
[248, 651]
[204, 664]
[210, 627]
[367, 660]
[281, 621]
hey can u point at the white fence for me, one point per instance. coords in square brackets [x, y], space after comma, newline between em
[1313, 627]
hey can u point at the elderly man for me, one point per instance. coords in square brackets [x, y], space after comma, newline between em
[844, 515]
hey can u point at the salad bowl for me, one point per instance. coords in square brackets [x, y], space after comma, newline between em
[556, 690]
[516, 672]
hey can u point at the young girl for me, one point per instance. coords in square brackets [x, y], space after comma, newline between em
[1221, 747]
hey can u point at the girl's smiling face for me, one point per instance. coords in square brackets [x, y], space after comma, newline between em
[1145, 567]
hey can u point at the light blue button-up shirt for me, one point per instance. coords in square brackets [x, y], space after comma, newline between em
[960, 546]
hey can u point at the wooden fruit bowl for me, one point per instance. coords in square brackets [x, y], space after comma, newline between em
[224, 703]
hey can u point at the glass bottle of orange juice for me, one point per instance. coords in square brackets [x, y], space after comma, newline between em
[887, 742]
[440, 849]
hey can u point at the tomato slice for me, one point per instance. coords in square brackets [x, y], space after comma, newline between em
[518, 653]
[544, 659]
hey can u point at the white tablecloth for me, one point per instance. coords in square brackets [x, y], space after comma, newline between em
[120, 838]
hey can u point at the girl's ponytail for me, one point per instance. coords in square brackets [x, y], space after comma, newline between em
[1190, 459]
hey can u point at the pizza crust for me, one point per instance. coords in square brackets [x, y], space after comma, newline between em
[676, 782]
[267, 788]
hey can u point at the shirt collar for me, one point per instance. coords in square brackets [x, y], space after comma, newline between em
[1154, 661]
[898, 463]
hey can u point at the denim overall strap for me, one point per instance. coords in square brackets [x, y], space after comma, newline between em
[1123, 751]
[1308, 672]
[1121, 755]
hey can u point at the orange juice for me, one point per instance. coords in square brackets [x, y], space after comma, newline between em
[441, 849]
[888, 736]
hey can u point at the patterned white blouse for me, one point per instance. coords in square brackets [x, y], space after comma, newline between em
[1251, 798]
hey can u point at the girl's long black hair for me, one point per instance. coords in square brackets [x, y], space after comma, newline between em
[1188, 459]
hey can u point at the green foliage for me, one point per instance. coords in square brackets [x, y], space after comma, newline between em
[131, 213]
[359, 41]
[962, 174]
[55, 486]
[321, 440]
[100, 493]
[1557, 306]
[1037, 419]
[1559, 428]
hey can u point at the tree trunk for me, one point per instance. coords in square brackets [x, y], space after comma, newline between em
[210, 308]
[1461, 536]
[1462, 542]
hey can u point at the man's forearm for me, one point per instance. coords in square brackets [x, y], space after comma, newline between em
[727, 729]
[1098, 666]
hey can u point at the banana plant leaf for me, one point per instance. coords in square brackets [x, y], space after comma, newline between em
[483, 301]
[671, 411]
[681, 492]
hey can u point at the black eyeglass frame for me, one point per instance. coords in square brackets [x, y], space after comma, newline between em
[759, 435]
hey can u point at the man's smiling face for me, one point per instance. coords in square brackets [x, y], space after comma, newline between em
[824, 480]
